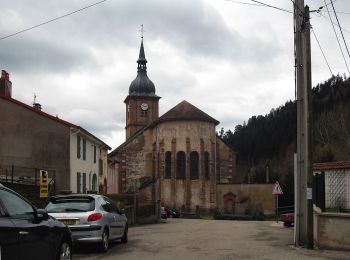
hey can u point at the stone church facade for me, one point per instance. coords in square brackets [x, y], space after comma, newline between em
[175, 159]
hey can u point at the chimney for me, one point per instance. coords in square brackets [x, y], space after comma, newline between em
[37, 106]
[5, 84]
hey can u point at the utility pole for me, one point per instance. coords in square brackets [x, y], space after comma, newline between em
[303, 204]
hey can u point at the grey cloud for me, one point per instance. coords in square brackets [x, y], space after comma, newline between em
[41, 55]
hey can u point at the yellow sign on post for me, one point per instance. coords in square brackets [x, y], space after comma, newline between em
[44, 184]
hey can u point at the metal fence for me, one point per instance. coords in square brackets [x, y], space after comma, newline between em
[26, 181]
[23, 175]
[337, 190]
[332, 190]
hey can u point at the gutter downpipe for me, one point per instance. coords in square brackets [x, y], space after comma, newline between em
[71, 161]
[215, 173]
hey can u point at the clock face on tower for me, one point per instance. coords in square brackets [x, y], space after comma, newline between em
[144, 106]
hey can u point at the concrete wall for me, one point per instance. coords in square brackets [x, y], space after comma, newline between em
[246, 198]
[332, 230]
[113, 178]
[28, 139]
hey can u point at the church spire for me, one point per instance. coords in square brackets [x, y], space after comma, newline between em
[142, 85]
[142, 102]
[141, 67]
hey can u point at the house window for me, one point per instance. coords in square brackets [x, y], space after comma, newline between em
[100, 167]
[84, 149]
[78, 182]
[89, 188]
[180, 165]
[78, 146]
[194, 168]
[84, 182]
[94, 153]
[167, 174]
[94, 182]
[206, 165]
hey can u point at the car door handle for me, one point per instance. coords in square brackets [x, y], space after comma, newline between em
[23, 233]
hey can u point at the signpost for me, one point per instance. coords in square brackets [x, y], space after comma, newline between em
[44, 184]
[277, 190]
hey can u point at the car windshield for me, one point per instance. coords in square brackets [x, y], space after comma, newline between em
[57, 205]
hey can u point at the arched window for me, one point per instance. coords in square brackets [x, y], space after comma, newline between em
[180, 165]
[194, 165]
[167, 173]
[206, 165]
[94, 182]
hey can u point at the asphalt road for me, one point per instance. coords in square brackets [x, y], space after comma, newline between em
[183, 239]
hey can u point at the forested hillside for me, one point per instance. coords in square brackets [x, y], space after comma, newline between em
[267, 143]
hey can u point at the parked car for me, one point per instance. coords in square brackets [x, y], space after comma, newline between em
[30, 233]
[91, 218]
[288, 219]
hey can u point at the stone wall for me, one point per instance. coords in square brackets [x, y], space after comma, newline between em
[187, 137]
[226, 162]
[246, 198]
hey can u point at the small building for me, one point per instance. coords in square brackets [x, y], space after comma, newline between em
[32, 140]
[332, 205]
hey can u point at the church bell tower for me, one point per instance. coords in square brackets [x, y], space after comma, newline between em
[142, 101]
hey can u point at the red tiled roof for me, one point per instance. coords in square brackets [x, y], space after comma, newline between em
[55, 118]
[331, 166]
[186, 111]
[15, 101]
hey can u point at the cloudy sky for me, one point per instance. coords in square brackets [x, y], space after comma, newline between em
[231, 60]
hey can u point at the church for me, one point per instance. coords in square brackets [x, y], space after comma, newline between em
[175, 159]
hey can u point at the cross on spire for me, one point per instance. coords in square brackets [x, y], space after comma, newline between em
[142, 31]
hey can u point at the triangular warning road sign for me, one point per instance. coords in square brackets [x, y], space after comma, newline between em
[277, 190]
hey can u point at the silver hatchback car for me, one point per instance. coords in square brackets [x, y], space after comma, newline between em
[91, 218]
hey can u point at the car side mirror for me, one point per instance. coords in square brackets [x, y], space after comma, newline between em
[41, 214]
[122, 211]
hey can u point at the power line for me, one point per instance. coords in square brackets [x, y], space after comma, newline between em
[345, 30]
[260, 4]
[271, 6]
[338, 12]
[336, 35]
[52, 20]
[324, 56]
[341, 31]
[243, 3]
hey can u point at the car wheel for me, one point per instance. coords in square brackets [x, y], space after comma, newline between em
[65, 251]
[105, 241]
[124, 239]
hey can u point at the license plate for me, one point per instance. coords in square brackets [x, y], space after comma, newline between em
[68, 221]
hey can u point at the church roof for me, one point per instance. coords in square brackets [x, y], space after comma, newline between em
[182, 111]
[186, 111]
[142, 85]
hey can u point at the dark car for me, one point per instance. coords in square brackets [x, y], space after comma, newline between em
[30, 233]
